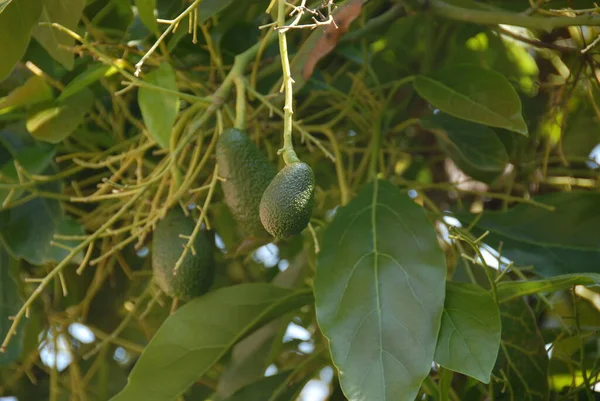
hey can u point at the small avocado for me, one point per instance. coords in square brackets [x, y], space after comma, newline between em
[286, 204]
[195, 275]
[247, 173]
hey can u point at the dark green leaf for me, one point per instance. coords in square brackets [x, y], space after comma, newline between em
[86, 78]
[10, 303]
[34, 158]
[249, 359]
[34, 90]
[146, 12]
[509, 290]
[16, 21]
[57, 43]
[474, 94]
[379, 292]
[554, 242]
[210, 8]
[523, 359]
[475, 148]
[470, 333]
[159, 109]
[58, 122]
[28, 230]
[194, 338]
[264, 388]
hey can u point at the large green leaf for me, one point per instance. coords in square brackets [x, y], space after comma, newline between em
[10, 303]
[59, 121]
[16, 21]
[523, 359]
[475, 94]
[159, 109]
[554, 242]
[509, 290]
[475, 148]
[379, 292]
[470, 333]
[34, 90]
[194, 338]
[57, 43]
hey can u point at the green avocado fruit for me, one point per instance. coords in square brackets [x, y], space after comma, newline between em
[286, 204]
[247, 173]
[195, 275]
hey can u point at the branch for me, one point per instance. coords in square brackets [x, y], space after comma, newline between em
[483, 17]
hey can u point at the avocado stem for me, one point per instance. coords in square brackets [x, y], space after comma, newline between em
[289, 155]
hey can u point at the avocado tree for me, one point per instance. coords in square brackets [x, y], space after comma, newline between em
[363, 200]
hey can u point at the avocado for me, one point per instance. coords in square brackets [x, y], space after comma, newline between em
[247, 173]
[195, 275]
[286, 204]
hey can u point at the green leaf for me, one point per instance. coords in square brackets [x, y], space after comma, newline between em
[16, 21]
[265, 388]
[56, 123]
[194, 338]
[470, 333]
[475, 148]
[475, 94]
[34, 90]
[10, 303]
[379, 291]
[211, 8]
[554, 242]
[34, 158]
[146, 12]
[57, 43]
[159, 109]
[523, 359]
[509, 290]
[28, 229]
[86, 78]
[3, 4]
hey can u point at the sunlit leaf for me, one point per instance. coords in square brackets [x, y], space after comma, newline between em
[194, 338]
[470, 333]
[523, 359]
[16, 21]
[379, 292]
[34, 90]
[474, 94]
[509, 290]
[57, 43]
[58, 122]
[159, 109]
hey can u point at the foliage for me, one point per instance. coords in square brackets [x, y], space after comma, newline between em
[453, 249]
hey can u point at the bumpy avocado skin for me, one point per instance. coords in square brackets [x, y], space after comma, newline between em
[247, 173]
[286, 204]
[195, 275]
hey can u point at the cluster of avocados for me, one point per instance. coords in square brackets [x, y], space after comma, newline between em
[258, 198]
[263, 202]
